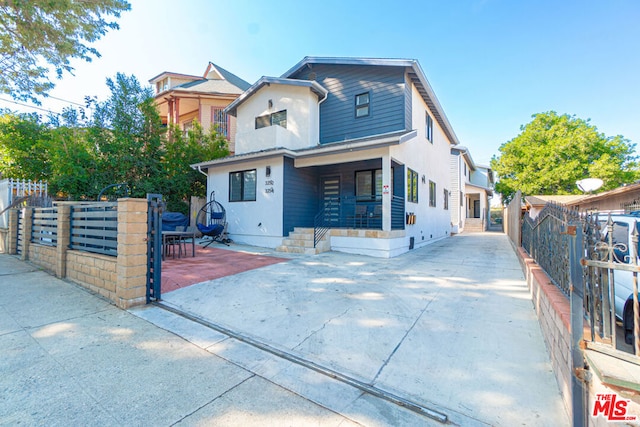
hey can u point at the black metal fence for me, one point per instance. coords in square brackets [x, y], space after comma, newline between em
[94, 228]
[608, 259]
[546, 241]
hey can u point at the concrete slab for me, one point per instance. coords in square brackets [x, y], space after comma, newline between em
[450, 324]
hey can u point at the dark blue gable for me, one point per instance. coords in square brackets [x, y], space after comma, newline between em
[387, 94]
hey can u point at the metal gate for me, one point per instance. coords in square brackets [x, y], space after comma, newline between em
[154, 247]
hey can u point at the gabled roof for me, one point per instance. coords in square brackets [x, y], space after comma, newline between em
[220, 81]
[415, 74]
[265, 81]
[228, 76]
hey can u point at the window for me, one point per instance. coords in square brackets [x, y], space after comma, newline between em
[220, 121]
[242, 186]
[446, 199]
[412, 186]
[279, 118]
[369, 185]
[432, 193]
[429, 128]
[362, 104]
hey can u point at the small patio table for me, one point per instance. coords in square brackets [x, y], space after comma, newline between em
[171, 237]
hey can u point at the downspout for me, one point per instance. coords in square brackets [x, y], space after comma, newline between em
[200, 170]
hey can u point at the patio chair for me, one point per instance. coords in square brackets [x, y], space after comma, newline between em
[211, 221]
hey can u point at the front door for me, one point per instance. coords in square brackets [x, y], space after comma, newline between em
[476, 208]
[331, 200]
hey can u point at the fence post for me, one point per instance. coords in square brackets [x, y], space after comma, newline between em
[27, 225]
[131, 286]
[12, 235]
[64, 239]
[578, 393]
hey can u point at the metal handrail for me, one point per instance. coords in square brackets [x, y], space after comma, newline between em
[320, 228]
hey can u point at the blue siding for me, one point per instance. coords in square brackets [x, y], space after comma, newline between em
[408, 105]
[300, 196]
[387, 89]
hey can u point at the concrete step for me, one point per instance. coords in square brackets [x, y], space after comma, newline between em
[301, 241]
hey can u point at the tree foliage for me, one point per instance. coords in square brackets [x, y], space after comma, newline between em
[124, 142]
[40, 36]
[554, 151]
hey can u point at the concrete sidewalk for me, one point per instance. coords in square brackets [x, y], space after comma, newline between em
[71, 358]
[449, 327]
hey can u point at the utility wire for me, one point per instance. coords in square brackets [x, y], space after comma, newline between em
[29, 106]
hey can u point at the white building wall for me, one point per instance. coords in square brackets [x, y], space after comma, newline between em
[480, 177]
[302, 119]
[431, 160]
[457, 184]
[257, 223]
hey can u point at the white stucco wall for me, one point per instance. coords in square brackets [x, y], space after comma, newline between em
[430, 160]
[480, 176]
[259, 222]
[302, 119]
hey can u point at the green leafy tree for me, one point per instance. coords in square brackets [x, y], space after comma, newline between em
[183, 150]
[554, 151]
[40, 36]
[124, 142]
[24, 147]
[126, 135]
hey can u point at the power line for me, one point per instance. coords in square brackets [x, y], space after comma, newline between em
[29, 106]
[65, 100]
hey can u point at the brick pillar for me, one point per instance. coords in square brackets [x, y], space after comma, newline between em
[131, 286]
[12, 235]
[27, 223]
[64, 239]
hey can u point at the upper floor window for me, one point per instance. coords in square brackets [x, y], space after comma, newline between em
[162, 85]
[432, 193]
[278, 118]
[412, 186]
[429, 128]
[242, 186]
[220, 121]
[362, 104]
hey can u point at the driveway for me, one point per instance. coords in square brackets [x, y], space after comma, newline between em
[449, 326]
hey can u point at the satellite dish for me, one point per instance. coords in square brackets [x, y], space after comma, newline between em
[588, 185]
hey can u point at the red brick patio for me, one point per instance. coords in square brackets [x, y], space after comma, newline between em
[208, 264]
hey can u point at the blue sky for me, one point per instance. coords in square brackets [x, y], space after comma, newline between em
[491, 63]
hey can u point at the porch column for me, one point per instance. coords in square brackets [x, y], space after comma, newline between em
[170, 112]
[386, 192]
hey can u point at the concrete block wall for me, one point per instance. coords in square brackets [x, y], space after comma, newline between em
[121, 279]
[43, 256]
[554, 315]
[93, 271]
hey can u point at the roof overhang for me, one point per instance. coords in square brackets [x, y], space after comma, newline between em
[487, 190]
[171, 74]
[348, 146]
[315, 87]
[464, 151]
[414, 72]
